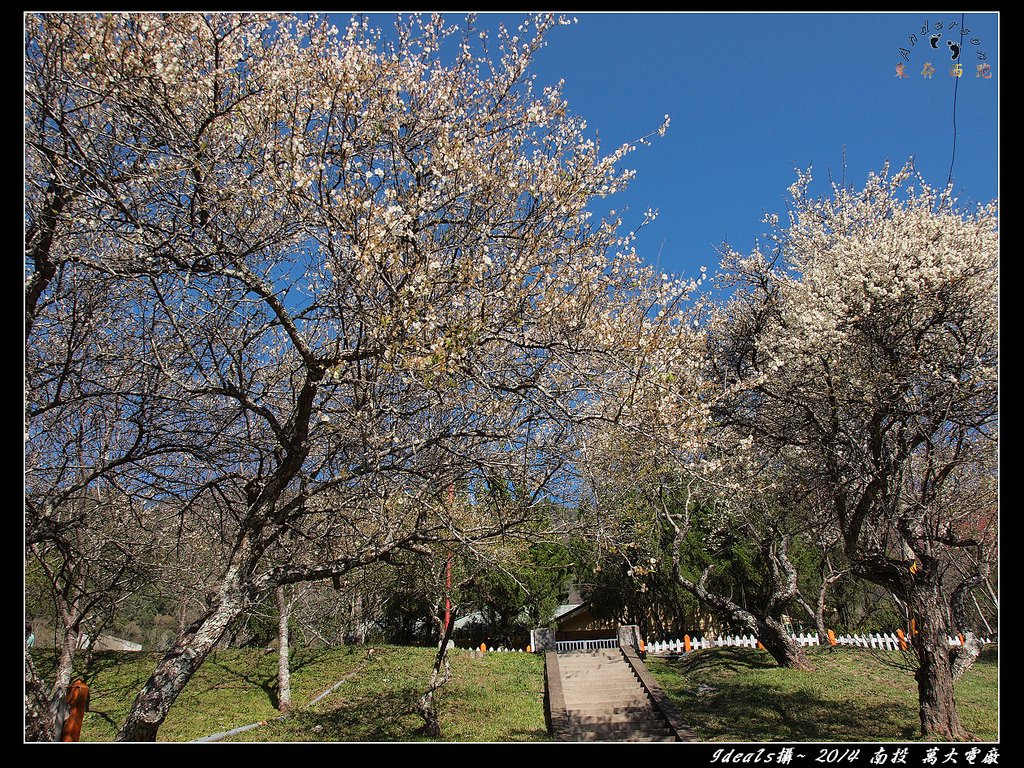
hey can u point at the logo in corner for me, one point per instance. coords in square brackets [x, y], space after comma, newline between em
[939, 44]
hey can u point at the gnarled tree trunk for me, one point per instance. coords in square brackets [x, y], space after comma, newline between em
[769, 630]
[934, 675]
[777, 641]
[175, 669]
[962, 657]
[767, 626]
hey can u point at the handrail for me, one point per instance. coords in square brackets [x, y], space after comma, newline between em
[556, 697]
[658, 696]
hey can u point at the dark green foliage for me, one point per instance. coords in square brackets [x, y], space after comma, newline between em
[512, 602]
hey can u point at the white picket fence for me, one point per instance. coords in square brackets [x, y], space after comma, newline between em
[878, 641]
[889, 642]
[499, 649]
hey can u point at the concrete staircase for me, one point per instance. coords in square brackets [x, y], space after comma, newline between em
[605, 700]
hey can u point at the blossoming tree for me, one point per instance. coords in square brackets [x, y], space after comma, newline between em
[358, 272]
[864, 347]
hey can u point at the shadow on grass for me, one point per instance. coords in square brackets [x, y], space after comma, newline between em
[733, 659]
[366, 716]
[105, 717]
[110, 678]
[237, 668]
[989, 655]
[755, 712]
[787, 707]
[536, 734]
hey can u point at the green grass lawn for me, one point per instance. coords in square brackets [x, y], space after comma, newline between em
[853, 695]
[499, 697]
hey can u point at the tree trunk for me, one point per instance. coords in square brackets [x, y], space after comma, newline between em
[65, 663]
[963, 656]
[768, 629]
[39, 724]
[175, 669]
[819, 609]
[440, 674]
[783, 648]
[62, 679]
[939, 716]
[284, 684]
[819, 619]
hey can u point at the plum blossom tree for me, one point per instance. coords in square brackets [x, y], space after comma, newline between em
[864, 347]
[356, 272]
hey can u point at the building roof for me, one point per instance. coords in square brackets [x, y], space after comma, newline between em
[569, 609]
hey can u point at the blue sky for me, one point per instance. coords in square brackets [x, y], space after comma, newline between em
[752, 96]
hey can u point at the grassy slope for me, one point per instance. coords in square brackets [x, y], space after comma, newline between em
[499, 696]
[853, 695]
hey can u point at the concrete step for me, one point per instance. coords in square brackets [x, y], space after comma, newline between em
[607, 667]
[609, 706]
[619, 694]
[597, 666]
[634, 694]
[640, 735]
[618, 704]
[605, 701]
[617, 722]
[599, 712]
[578, 680]
[606, 693]
[650, 726]
[601, 685]
[611, 653]
[598, 679]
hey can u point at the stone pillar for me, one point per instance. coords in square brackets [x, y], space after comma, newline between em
[629, 634]
[542, 639]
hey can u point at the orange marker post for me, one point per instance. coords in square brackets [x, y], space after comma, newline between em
[643, 648]
[961, 639]
[903, 639]
[483, 647]
[913, 627]
[78, 700]
[831, 637]
[686, 643]
[529, 649]
[759, 646]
